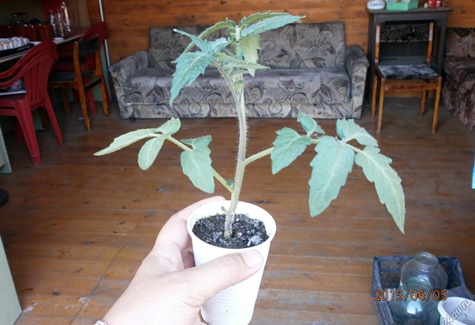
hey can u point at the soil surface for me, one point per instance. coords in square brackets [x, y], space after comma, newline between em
[247, 232]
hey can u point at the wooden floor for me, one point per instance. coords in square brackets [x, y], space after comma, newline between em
[77, 227]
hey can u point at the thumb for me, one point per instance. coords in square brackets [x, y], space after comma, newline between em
[223, 272]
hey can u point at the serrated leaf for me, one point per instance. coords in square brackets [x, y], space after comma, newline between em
[268, 23]
[196, 163]
[251, 19]
[171, 126]
[219, 44]
[377, 169]
[226, 24]
[202, 44]
[125, 140]
[149, 151]
[330, 169]
[188, 67]
[348, 129]
[250, 48]
[288, 145]
[236, 66]
[309, 124]
[202, 141]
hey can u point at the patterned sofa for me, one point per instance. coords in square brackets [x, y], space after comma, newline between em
[459, 75]
[312, 70]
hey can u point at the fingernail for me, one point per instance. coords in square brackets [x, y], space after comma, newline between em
[253, 259]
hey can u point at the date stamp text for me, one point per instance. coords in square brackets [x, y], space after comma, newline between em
[405, 295]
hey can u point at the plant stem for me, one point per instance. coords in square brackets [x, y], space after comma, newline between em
[240, 165]
[258, 155]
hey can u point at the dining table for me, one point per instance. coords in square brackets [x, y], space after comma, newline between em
[76, 34]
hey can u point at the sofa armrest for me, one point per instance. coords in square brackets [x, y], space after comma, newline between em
[356, 64]
[122, 71]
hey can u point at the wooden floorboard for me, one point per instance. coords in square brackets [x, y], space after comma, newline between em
[77, 226]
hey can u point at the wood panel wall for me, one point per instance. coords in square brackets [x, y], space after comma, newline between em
[129, 20]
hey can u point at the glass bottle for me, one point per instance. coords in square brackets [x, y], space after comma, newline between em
[416, 299]
[425, 270]
[66, 18]
[52, 22]
[59, 23]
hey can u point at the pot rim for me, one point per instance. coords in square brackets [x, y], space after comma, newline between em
[242, 207]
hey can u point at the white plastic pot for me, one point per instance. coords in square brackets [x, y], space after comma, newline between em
[234, 305]
[457, 311]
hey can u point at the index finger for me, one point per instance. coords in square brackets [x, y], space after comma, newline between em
[174, 231]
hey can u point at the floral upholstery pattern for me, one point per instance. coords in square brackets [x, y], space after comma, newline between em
[311, 70]
[405, 71]
[458, 91]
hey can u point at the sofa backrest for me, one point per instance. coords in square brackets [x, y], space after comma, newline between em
[460, 42]
[304, 45]
[166, 45]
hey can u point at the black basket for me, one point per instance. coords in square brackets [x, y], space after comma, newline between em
[16, 50]
[386, 275]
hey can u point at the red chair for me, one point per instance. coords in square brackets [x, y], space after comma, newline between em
[33, 69]
[87, 64]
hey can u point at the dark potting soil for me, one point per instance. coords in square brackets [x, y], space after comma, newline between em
[247, 232]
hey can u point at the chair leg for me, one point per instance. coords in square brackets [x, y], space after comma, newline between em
[27, 126]
[85, 113]
[54, 122]
[381, 103]
[90, 102]
[436, 104]
[105, 98]
[423, 102]
[64, 95]
[374, 96]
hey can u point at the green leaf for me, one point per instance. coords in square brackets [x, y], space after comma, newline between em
[149, 151]
[171, 126]
[196, 163]
[236, 66]
[250, 48]
[387, 182]
[126, 140]
[288, 145]
[202, 44]
[226, 24]
[309, 124]
[188, 67]
[330, 169]
[267, 24]
[258, 16]
[218, 45]
[348, 129]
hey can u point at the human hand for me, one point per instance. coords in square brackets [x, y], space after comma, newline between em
[168, 289]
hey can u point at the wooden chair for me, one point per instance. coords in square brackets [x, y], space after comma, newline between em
[419, 76]
[33, 69]
[86, 74]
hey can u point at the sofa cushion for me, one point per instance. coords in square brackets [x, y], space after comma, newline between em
[460, 42]
[152, 86]
[461, 70]
[311, 86]
[166, 45]
[304, 46]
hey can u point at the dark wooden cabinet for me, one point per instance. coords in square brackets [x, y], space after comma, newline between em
[400, 51]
